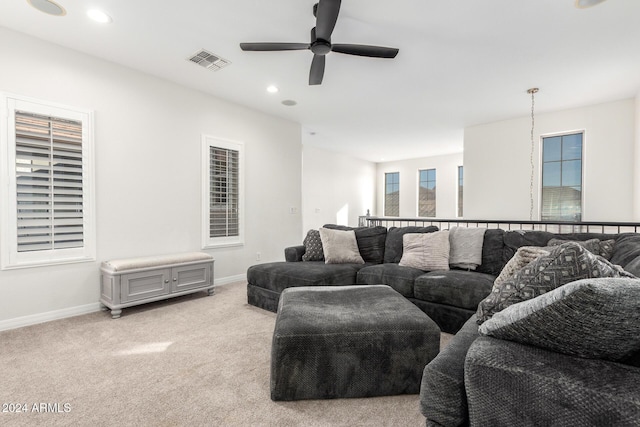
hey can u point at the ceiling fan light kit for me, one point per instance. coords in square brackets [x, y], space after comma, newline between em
[326, 13]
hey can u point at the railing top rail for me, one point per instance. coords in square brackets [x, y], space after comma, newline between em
[583, 226]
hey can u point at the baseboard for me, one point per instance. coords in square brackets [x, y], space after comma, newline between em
[231, 279]
[48, 316]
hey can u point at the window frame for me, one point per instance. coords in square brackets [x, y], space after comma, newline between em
[582, 172]
[209, 242]
[10, 257]
[435, 182]
[384, 196]
[460, 192]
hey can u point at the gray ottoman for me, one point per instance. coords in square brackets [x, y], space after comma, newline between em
[349, 341]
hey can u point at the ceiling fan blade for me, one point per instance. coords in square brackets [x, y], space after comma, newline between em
[273, 46]
[326, 17]
[365, 50]
[317, 70]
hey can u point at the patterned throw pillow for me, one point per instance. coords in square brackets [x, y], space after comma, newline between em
[592, 318]
[604, 248]
[426, 251]
[565, 263]
[313, 247]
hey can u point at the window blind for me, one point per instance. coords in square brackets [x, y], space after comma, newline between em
[224, 219]
[49, 182]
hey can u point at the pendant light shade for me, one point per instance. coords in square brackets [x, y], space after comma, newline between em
[583, 4]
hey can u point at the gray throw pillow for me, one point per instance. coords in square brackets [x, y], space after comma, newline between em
[426, 251]
[340, 247]
[604, 248]
[466, 247]
[565, 263]
[591, 318]
[313, 247]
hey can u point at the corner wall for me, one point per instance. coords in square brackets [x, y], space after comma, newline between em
[337, 189]
[497, 163]
[148, 173]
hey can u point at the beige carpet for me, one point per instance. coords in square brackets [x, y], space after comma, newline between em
[195, 360]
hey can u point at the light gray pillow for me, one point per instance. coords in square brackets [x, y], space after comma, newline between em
[340, 247]
[523, 256]
[591, 318]
[426, 251]
[466, 247]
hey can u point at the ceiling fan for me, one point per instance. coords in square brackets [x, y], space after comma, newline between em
[326, 13]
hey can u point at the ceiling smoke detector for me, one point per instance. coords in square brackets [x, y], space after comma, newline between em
[209, 60]
[48, 7]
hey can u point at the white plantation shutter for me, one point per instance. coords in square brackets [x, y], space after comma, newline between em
[224, 192]
[46, 169]
[49, 190]
[222, 197]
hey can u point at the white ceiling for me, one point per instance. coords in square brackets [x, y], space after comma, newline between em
[461, 62]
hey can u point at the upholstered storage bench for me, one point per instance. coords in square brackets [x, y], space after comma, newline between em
[349, 341]
[134, 281]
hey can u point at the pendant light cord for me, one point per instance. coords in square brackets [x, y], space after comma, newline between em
[532, 91]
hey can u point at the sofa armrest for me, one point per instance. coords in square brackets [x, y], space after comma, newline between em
[294, 253]
[507, 381]
[442, 396]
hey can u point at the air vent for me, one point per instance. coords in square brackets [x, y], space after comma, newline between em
[209, 60]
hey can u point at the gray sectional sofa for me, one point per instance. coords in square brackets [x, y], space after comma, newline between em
[481, 379]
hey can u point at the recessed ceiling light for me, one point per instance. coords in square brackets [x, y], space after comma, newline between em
[99, 16]
[289, 102]
[272, 89]
[583, 4]
[47, 6]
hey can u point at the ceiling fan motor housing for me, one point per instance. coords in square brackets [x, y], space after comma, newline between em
[319, 46]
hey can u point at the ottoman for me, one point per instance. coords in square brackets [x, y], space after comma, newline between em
[349, 341]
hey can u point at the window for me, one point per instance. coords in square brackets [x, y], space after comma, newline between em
[562, 177]
[427, 193]
[47, 162]
[460, 190]
[222, 192]
[392, 194]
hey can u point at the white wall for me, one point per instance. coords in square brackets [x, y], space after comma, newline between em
[636, 162]
[497, 163]
[446, 184]
[148, 177]
[336, 188]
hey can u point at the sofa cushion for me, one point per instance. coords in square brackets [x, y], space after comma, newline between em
[277, 276]
[426, 251]
[627, 248]
[593, 318]
[458, 288]
[564, 264]
[493, 258]
[340, 247]
[371, 241]
[393, 245]
[313, 247]
[401, 279]
[443, 400]
[466, 247]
